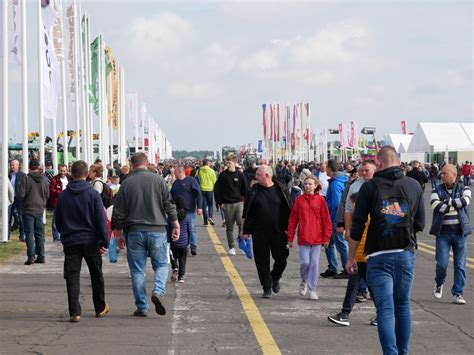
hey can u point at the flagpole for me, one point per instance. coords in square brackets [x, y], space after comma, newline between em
[88, 108]
[24, 86]
[85, 134]
[136, 122]
[5, 227]
[122, 117]
[76, 79]
[40, 84]
[308, 129]
[99, 97]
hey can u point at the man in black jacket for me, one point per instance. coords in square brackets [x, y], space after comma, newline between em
[418, 174]
[396, 208]
[229, 191]
[80, 219]
[266, 211]
[33, 191]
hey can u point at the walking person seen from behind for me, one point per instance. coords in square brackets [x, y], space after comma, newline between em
[310, 216]
[141, 209]
[396, 208]
[80, 219]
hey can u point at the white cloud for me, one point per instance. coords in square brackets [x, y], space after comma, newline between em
[158, 37]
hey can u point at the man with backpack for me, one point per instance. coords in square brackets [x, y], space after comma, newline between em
[396, 208]
[104, 190]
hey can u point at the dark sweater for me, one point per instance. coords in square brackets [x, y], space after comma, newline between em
[189, 189]
[80, 216]
[230, 187]
[365, 204]
[184, 234]
[33, 191]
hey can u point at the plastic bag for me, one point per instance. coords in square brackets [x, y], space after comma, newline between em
[246, 246]
[113, 250]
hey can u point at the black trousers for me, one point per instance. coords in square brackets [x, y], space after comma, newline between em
[179, 260]
[264, 243]
[353, 286]
[73, 256]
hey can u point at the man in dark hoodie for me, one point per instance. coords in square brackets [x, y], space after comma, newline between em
[80, 219]
[396, 208]
[33, 191]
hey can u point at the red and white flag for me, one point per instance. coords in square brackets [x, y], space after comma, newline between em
[404, 127]
[264, 118]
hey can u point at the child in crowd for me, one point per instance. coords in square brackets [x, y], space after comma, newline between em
[114, 184]
[295, 190]
[310, 215]
[342, 318]
[179, 247]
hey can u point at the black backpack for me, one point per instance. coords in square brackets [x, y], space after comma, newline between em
[391, 218]
[106, 195]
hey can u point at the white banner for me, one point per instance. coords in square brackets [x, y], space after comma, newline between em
[131, 102]
[51, 85]
[14, 25]
[70, 56]
[58, 31]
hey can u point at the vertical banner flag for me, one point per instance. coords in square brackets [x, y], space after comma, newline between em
[50, 66]
[132, 100]
[271, 122]
[278, 123]
[94, 86]
[404, 127]
[14, 48]
[352, 135]
[306, 133]
[264, 118]
[58, 31]
[342, 142]
[293, 134]
[112, 88]
[70, 57]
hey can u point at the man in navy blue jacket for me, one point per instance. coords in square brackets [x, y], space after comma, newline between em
[80, 219]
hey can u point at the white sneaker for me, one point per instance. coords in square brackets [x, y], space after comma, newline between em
[303, 288]
[312, 295]
[438, 292]
[232, 251]
[458, 299]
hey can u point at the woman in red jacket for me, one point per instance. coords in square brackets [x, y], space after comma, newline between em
[310, 215]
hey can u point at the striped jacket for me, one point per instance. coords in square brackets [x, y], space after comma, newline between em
[450, 210]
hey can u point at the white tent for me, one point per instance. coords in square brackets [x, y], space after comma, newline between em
[432, 138]
[400, 142]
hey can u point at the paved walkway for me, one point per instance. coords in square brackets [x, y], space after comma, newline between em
[205, 314]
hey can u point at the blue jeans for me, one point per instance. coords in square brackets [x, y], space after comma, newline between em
[19, 211]
[34, 227]
[467, 180]
[56, 235]
[337, 242]
[191, 217]
[390, 277]
[140, 245]
[434, 182]
[459, 245]
[207, 205]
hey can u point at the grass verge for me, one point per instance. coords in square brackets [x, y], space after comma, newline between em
[10, 250]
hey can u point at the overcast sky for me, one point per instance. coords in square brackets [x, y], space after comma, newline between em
[204, 68]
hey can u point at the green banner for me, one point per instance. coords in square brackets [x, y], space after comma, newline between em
[94, 87]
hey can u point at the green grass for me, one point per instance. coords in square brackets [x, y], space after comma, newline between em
[15, 247]
[11, 249]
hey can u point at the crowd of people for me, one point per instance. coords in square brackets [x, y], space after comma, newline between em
[368, 212]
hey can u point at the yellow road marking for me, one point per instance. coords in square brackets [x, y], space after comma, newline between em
[434, 248]
[260, 329]
[469, 265]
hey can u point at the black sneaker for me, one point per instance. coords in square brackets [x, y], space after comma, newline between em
[211, 222]
[341, 275]
[276, 286]
[361, 297]
[40, 260]
[30, 261]
[328, 273]
[193, 251]
[138, 313]
[373, 321]
[342, 318]
[267, 293]
[158, 302]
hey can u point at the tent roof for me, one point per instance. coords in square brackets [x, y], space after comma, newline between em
[400, 141]
[456, 136]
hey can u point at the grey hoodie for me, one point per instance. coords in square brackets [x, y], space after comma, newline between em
[33, 191]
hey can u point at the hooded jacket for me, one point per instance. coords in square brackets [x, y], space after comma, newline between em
[55, 189]
[33, 191]
[365, 206]
[80, 216]
[311, 215]
[334, 193]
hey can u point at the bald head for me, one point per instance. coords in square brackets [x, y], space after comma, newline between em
[448, 174]
[14, 166]
[387, 157]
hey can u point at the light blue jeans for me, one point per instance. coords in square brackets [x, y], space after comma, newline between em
[459, 245]
[390, 276]
[140, 245]
[191, 217]
[337, 242]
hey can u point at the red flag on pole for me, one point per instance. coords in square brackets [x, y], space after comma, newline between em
[278, 123]
[404, 127]
[271, 122]
[264, 107]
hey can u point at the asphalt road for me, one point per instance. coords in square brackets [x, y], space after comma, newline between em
[213, 312]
